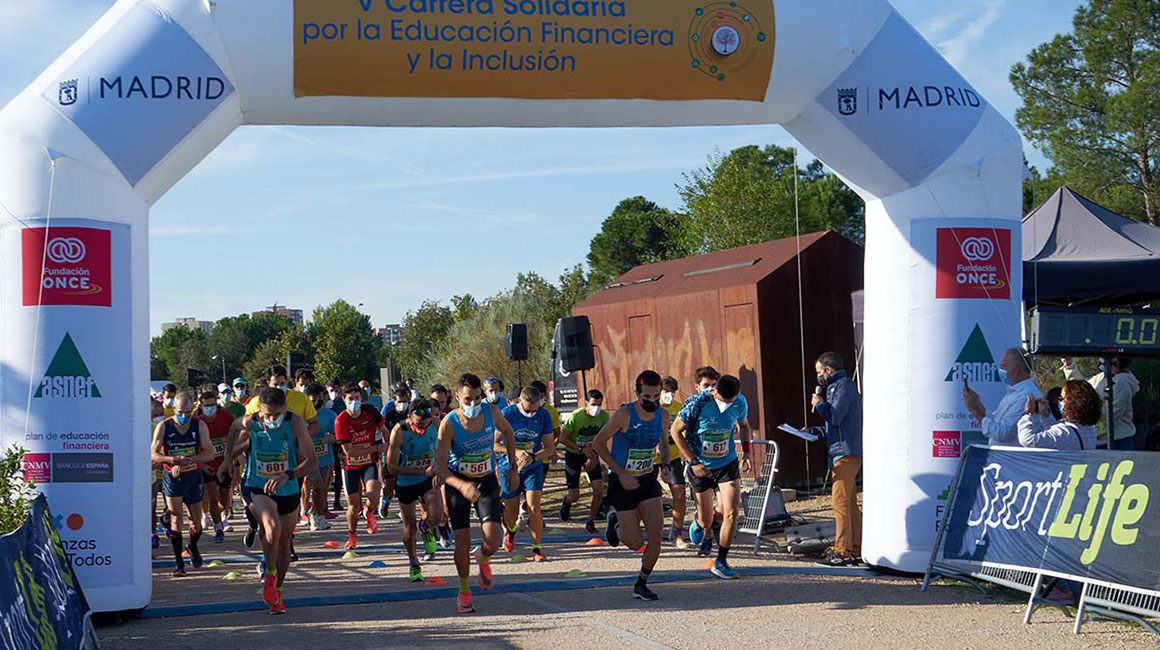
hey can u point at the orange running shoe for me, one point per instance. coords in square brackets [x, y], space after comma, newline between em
[270, 589]
[509, 541]
[485, 576]
[465, 605]
[372, 524]
[351, 542]
[280, 606]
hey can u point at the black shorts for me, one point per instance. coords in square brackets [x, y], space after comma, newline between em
[222, 483]
[622, 499]
[726, 474]
[354, 480]
[408, 494]
[676, 472]
[489, 507]
[285, 504]
[574, 464]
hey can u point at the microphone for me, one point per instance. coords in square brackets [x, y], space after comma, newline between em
[818, 391]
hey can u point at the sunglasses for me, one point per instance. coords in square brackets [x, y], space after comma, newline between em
[421, 412]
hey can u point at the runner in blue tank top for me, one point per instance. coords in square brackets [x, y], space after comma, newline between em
[180, 444]
[411, 458]
[629, 445]
[469, 438]
[278, 452]
[703, 432]
[535, 445]
[319, 480]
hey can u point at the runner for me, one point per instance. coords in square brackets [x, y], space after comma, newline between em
[706, 378]
[168, 394]
[278, 453]
[410, 458]
[241, 397]
[393, 412]
[217, 487]
[157, 416]
[468, 439]
[181, 443]
[579, 430]
[493, 389]
[359, 430]
[628, 445]
[318, 481]
[441, 402]
[669, 403]
[704, 433]
[303, 377]
[535, 446]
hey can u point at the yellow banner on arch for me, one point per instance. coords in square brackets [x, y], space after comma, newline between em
[534, 49]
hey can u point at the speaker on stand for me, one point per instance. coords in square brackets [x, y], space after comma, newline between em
[515, 346]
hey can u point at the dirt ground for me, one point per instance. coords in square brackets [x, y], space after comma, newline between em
[780, 602]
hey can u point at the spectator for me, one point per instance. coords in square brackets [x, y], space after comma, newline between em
[840, 406]
[1125, 388]
[1076, 432]
[1000, 424]
[1053, 398]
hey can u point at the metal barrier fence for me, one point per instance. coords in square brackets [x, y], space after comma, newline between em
[761, 498]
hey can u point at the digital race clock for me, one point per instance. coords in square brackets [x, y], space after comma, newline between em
[1086, 331]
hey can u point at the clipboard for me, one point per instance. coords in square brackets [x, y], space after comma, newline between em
[808, 437]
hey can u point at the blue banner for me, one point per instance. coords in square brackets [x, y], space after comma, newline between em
[43, 605]
[1087, 515]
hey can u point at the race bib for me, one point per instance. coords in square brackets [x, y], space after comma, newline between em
[272, 465]
[321, 448]
[422, 462]
[640, 462]
[185, 452]
[475, 466]
[219, 447]
[715, 444]
[525, 446]
[359, 455]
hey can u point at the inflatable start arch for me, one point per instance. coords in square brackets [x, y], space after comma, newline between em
[157, 84]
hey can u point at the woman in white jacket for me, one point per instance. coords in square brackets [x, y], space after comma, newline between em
[1080, 406]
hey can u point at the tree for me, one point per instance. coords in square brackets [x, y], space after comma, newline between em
[575, 287]
[1090, 103]
[345, 345]
[180, 348]
[426, 328]
[748, 196]
[231, 338]
[637, 232]
[264, 356]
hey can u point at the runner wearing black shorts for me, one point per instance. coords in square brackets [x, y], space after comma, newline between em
[576, 434]
[181, 444]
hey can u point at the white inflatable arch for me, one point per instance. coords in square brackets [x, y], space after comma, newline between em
[157, 84]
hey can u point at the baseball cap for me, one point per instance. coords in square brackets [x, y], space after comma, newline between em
[223, 388]
[239, 380]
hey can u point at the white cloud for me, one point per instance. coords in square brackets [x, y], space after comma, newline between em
[959, 30]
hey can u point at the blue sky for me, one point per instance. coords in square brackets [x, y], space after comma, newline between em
[390, 217]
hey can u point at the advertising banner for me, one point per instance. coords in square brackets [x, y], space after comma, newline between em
[44, 607]
[963, 316]
[74, 286]
[1086, 515]
[534, 49]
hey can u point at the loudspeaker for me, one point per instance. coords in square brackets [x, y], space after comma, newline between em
[515, 342]
[576, 344]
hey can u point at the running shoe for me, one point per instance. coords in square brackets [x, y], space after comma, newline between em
[429, 543]
[351, 542]
[590, 526]
[833, 558]
[270, 589]
[416, 574]
[538, 555]
[329, 515]
[314, 524]
[219, 535]
[610, 533]
[565, 511]
[279, 607]
[706, 548]
[724, 571]
[195, 556]
[262, 568]
[445, 536]
[179, 571]
[155, 542]
[428, 557]
[485, 576]
[642, 592]
[696, 532]
[372, 524]
[384, 508]
[250, 536]
[464, 604]
[509, 541]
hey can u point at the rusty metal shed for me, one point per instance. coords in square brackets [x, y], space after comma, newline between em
[736, 310]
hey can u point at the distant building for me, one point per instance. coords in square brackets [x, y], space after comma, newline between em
[391, 334]
[295, 315]
[188, 323]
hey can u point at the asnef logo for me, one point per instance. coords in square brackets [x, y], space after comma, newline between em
[975, 362]
[67, 266]
[973, 263]
[67, 376]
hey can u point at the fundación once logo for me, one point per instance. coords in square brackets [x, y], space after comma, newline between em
[973, 264]
[67, 266]
[975, 362]
[67, 376]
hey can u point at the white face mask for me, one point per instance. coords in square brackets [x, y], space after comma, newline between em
[209, 411]
[333, 395]
[666, 398]
[168, 401]
[593, 411]
[402, 407]
[275, 423]
[224, 399]
[722, 405]
[353, 406]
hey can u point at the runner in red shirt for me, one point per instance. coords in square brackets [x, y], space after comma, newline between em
[359, 429]
[217, 490]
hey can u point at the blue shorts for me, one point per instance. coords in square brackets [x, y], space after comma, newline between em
[531, 479]
[189, 487]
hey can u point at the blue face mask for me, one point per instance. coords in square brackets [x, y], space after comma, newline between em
[208, 411]
[182, 419]
[472, 411]
[1004, 377]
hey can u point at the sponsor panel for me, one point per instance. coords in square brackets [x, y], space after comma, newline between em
[66, 266]
[974, 263]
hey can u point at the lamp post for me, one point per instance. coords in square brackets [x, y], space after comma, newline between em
[218, 357]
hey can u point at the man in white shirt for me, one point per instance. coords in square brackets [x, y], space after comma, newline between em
[1126, 386]
[1000, 424]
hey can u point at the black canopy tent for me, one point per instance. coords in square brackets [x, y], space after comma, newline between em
[1077, 252]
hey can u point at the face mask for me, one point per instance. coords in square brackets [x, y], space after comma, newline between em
[224, 400]
[240, 392]
[418, 428]
[472, 411]
[593, 411]
[209, 411]
[524, 413]
[353, 406]
[493, 398]
[284, 388]
[722, 405]
[182, 419]
[277, 423]
[666, 398]
[168, 401]
[1004, 377]
[650, 406]
[333, 394]
[707, 389]
[302, 389]
[402, 407]
[822, 381]
[317, 404]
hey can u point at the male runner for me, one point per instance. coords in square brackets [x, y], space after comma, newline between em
[493, 391]
[156, 416]
[181, 444]
[441, 403]
[303, 377]
[535, 446]
[278, 453]
[359, 429]
[579, 431]
[410, 458]
[168, 394]
[704, 433]
[465, 460]
[241, 397]
[628, 444]
[441, 399]
[670, 403]
[393, 413]
[217, 487]
[318, 480]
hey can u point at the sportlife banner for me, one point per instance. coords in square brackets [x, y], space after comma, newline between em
[74, 281]
[1091, 515]
[43, 605]
[534, 49]
[971, 262]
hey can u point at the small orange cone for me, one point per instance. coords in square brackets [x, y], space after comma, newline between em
[595, 541]
[641, 549]
[330, 544]
[185, 554]
[707, 565]
[436, 581]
